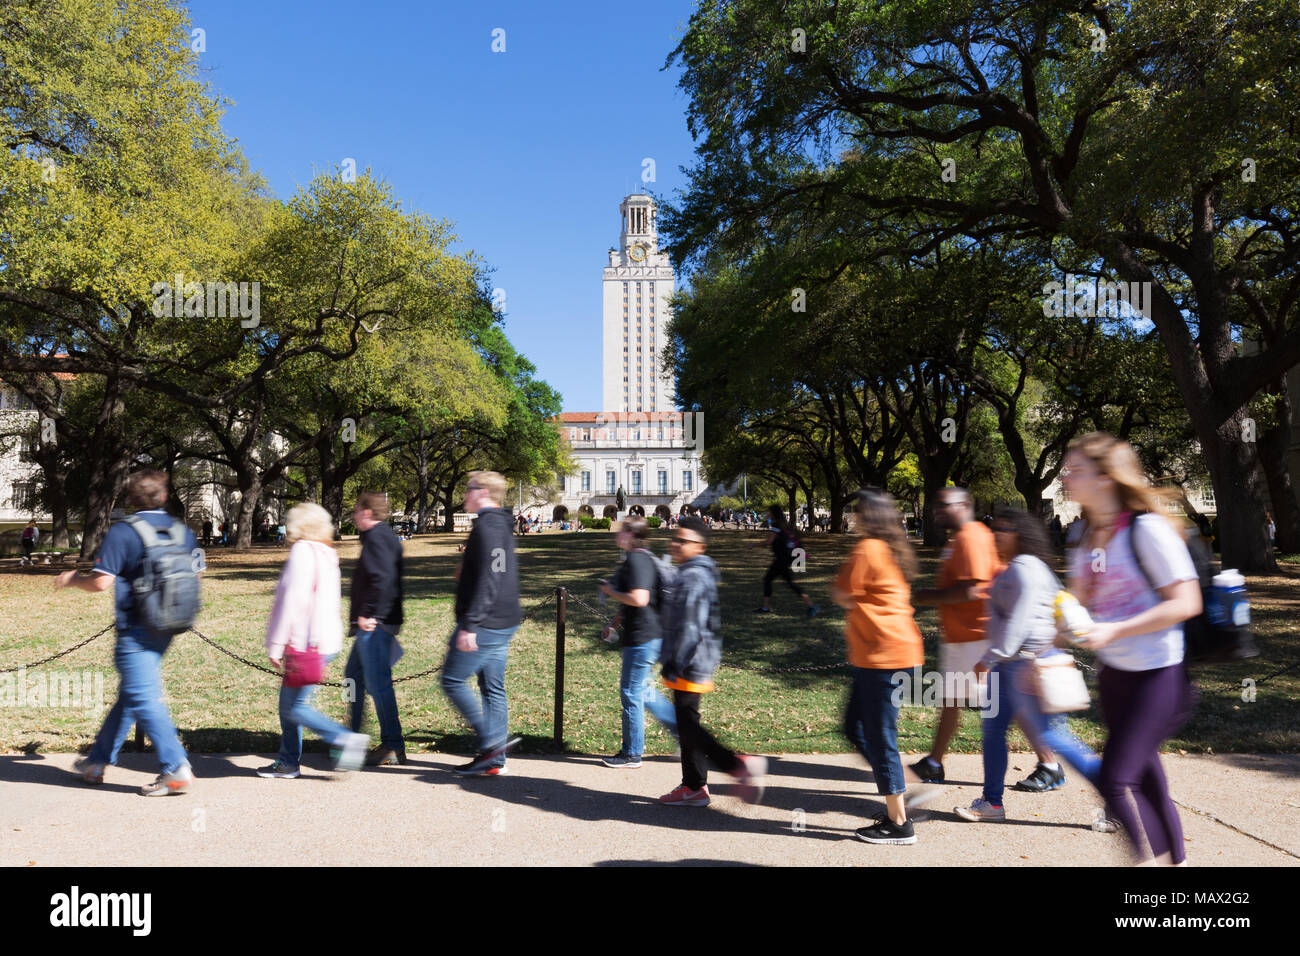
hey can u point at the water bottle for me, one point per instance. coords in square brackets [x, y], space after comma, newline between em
[1228, 605]
[1072, 616]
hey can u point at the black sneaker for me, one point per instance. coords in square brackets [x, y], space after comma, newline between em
[886, 830]
[622, 761]
[488, 762]
[1042, 779]
[928, 771]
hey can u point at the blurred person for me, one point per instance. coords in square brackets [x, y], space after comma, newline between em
[122, 564]
[637, 588]
[1133, 573]
[783, 540]
[307, 615]
[487, 615]
[375, 616]
[884, 645]
[690, 654]
[1021, 628]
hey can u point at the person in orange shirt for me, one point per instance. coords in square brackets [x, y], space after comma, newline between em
[970, 562]
[883, 643]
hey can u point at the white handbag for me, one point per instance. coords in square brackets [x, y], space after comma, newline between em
[1061, 687]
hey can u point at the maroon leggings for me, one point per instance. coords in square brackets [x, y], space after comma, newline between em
[1142, 709]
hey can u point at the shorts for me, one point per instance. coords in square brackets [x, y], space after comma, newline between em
[957, 662]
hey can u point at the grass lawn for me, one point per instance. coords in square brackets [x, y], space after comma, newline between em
[221, 705]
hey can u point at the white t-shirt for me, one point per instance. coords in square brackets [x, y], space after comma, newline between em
[1121, 591]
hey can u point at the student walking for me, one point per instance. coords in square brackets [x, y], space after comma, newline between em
[691, 652]
[487, 616]
[124, 562]
[31, 534]
[969, 564]
[638, 588]
[884, 644]
[783, 542]
[376, 620]
[1133, 573]
[1021, 630]
[306, 622]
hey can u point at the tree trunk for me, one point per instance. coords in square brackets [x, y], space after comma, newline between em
[1274, 448]
[448, 518]
[1239, 492]
[110, 462]
[250, 493]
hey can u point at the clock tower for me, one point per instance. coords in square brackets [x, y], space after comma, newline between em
[638, 282]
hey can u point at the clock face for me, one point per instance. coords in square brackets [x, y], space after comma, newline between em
[637, 253]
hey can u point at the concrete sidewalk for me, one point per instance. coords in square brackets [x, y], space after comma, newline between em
[1239, 810]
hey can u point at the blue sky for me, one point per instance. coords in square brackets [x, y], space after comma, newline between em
[528, 151]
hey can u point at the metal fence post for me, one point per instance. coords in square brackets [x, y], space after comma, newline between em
[561, 606]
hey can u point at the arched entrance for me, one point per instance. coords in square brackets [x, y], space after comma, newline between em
[664, 512]
[560, 513]
[587, 510]
[610, 512]
[636, 510]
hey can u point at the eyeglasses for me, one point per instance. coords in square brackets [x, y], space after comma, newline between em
[676, 540]
[1004, 530]
[473, 488]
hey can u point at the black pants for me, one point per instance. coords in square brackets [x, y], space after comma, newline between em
[779, 569]
[698, 745]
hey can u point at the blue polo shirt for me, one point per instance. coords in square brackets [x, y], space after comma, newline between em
[122, 555]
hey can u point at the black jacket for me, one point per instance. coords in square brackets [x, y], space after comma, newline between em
[377, 578]
[487, 594]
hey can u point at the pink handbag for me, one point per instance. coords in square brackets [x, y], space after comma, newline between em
[304, 668]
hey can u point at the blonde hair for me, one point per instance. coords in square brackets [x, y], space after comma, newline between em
[1118, 461]
[490, 481]
[310, 522]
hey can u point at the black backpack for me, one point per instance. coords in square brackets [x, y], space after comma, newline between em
[167, 590]
[1206, 642]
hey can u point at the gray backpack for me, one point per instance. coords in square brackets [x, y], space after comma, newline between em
[167, 591]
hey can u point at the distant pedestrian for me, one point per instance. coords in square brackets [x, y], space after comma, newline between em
[207, 532]
[31, 534]
[123, 564]
[487, 615]
[376, 620]
[691, 652]
[306, 622]
[281, 530]
[784, 542]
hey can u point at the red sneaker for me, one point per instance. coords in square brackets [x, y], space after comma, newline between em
[684, 796]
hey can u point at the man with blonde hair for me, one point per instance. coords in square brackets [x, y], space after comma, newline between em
[487, 616]
[376, 616]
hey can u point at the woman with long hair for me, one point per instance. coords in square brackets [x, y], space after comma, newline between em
[1021, 629]
[1133, 573]
[884, 644]
[782, 539]
[307, 616]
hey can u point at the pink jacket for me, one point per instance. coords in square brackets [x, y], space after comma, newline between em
[307, 605]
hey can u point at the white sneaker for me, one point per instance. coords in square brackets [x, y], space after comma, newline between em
[91, 773]
[981, 811]
[177, 782]
[352, 755]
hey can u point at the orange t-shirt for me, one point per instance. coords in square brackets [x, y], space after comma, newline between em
[881, 632]
[971, 555]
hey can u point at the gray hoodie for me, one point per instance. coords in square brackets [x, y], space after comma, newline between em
[1022, 611]
[692, 638]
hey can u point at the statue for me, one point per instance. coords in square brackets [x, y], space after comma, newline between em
[620, 499]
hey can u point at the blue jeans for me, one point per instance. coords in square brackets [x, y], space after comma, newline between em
[871, 724]
[1043, 730]
[370, 666]
[637, 690]
[491, 718]
[296, 712]
[138, 659]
